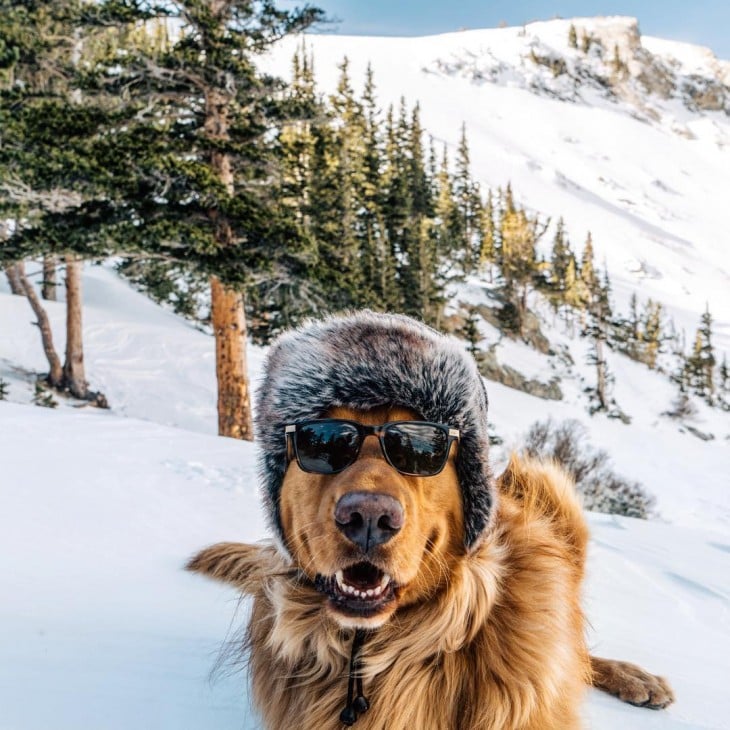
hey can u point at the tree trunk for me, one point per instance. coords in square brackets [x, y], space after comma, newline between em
[601, 371]
[234, 398]
[227, 313]
[55, 373]
[48, 289]
[73, 368]
[16, 285]
[522, 310]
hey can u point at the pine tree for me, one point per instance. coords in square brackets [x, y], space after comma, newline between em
[572, 37]
[395, 201]
[4, 389]
[723, 386]
[652, 333]
[471, 332]
[488, 239]
[337, 193]
[419, 273]
[571, 286]
[445, 209]
[585, 41]
[295, 137]
[519, 235]
[177, 148]
[700, 365]
[605, 309]
[560, 258]
[468, 204]
[627, 333]
[44, 95]
[597, 330]
[619, 66]
[589, 281]
[378, 267]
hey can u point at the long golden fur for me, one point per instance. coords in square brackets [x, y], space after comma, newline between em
[492, 639]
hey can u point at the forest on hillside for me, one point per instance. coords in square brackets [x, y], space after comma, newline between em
[148, 134]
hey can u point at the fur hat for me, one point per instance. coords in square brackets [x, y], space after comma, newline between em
[365, 360]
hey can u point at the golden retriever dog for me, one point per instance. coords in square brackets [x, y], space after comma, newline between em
[406, 587]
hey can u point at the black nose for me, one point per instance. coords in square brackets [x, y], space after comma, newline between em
[368, 519]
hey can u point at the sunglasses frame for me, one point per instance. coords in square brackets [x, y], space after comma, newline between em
[452, 434]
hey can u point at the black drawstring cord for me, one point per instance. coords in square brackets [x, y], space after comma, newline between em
[359, 704]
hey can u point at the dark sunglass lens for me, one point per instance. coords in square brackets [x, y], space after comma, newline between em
[326, 448]
[416, 448]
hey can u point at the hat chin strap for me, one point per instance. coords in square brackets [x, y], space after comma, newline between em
[358, 704]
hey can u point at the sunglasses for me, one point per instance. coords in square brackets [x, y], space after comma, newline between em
[330, 445]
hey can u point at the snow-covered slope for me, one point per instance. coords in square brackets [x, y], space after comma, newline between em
[639, 157]
[100, 628]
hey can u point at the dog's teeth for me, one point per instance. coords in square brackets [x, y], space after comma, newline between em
[349, 589]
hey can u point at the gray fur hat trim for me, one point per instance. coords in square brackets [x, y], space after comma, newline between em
[365, 360]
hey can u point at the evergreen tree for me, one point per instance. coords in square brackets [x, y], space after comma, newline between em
[447, 214]
[468, 204]
[296, 139]
[560, 258]
[652, 333]
[572, 37]
[571, 286]
[600, 316]
[471, 332]
[700, 365]
[633, 323]
[379, 285]
[488, 238]
[178, 148]
[627, 333]
[42, 97]
[723, 386]
[337, 188]
[419, 274]
[589, 281]
[519, 235]
[395, 204]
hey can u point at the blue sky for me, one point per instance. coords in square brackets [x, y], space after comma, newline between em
[705, 22]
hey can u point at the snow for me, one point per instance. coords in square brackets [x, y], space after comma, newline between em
[647, 175]
[101, 628]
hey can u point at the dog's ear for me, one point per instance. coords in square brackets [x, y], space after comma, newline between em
[236, 563]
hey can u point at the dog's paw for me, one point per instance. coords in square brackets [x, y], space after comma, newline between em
[631, 683]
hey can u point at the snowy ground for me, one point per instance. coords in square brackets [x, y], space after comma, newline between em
[100, 628]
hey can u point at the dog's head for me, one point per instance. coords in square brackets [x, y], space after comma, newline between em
[371, 538]
[374, 369]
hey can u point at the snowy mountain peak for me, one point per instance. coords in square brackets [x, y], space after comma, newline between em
[594, 60]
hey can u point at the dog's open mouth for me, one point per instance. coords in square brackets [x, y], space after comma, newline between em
[361, 589]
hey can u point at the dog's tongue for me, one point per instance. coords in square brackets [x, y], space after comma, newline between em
[363, 575]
